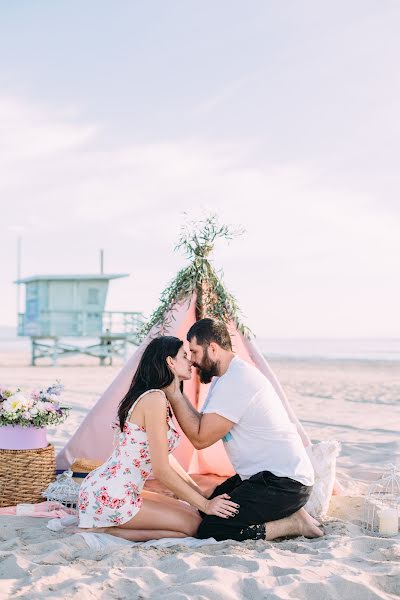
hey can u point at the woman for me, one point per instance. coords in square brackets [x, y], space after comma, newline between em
[111, 498]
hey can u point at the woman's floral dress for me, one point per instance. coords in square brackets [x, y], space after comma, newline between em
[110, 495]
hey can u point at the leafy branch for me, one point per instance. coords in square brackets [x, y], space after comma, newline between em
[213, 300]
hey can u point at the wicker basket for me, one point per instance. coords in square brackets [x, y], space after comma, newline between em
[24, 474]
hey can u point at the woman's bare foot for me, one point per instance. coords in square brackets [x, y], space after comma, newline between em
[94, 529]
[71, 529]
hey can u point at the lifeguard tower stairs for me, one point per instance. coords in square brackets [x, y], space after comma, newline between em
[60, 309]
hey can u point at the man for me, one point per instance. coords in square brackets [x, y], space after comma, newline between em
[274, 474]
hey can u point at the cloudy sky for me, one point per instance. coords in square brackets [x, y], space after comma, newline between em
[283, 117]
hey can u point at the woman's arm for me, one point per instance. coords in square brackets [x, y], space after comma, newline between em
[183, 475]
[155, 411]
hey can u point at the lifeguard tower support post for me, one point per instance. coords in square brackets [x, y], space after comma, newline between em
[72, 306]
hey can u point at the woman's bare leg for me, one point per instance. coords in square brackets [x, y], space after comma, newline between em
[155, 520]
[137, 535]
[178, 504]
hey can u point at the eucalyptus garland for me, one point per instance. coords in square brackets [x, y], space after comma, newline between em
[199, 277]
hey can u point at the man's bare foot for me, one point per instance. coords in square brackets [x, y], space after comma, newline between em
[315, 521]
[305, 524]
[299, 523]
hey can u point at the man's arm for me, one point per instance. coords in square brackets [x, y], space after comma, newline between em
[202, 430]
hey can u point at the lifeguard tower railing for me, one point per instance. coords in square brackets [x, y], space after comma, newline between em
[114, 329]
[80, 323]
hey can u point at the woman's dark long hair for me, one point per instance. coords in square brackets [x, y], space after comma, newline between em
[152, 372]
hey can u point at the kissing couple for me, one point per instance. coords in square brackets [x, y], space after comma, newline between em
[274, 476]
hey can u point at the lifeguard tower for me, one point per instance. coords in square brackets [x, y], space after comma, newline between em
[72, 306]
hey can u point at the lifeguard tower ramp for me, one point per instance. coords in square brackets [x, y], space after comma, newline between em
[58, 307]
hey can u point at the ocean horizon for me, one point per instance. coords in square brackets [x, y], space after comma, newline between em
[386, 349]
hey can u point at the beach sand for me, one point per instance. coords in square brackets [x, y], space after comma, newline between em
[356, 403]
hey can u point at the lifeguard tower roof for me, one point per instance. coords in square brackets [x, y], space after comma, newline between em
[96, 276]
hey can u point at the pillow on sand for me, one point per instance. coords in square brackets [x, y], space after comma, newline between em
[323, 458]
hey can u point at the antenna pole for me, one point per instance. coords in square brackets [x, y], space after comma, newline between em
[102, 261]
[19, 245]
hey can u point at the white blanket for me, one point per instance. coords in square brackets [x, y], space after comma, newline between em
[102, 542]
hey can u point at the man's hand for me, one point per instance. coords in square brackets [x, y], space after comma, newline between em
[202, 430]
[173, 391]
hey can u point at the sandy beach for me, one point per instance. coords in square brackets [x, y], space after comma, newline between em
[354, 402]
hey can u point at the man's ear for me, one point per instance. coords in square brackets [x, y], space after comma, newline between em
[214, 348]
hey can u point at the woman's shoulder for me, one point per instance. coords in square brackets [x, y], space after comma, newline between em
[155, 405]
[153, 393]
[154, 396]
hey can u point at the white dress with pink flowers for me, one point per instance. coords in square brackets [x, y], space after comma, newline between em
[110, 495]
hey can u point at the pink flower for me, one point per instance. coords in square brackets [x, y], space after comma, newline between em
[116, 503]
[104, 497]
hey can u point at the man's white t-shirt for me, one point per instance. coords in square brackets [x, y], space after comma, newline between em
[262, 438]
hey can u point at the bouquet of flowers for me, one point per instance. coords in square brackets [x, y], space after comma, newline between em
[38, 409]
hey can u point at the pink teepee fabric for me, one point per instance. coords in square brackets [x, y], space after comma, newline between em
[94, 438]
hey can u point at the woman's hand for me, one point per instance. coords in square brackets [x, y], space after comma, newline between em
[221, 506]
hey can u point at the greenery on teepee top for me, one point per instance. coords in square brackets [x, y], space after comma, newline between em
[197, 239]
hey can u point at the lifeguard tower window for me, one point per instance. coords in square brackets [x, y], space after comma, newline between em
[93, 296]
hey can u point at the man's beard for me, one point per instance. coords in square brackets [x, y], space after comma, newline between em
[207, 369]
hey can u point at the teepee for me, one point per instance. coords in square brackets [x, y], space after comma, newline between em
[195, 293]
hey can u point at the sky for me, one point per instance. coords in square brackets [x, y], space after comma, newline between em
[116, 119]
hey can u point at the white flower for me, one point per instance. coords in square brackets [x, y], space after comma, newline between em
[33, 411]
[41, 406]
[15, 402]
[52, 398]
[27, 415]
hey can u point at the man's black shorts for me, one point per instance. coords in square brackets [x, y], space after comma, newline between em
[262, 498]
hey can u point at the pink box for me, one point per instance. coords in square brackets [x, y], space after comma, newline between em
[15, 437]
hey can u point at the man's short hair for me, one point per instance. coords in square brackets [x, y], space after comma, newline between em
[210, 330]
